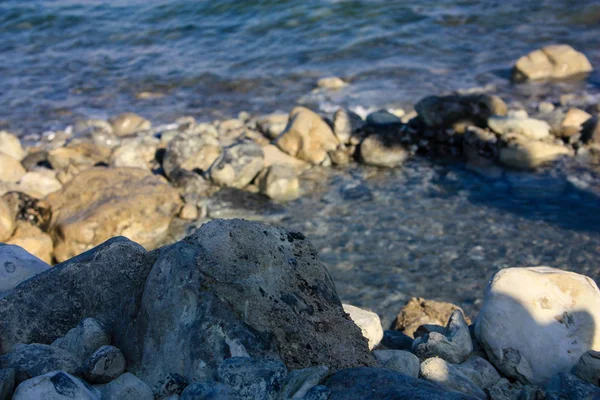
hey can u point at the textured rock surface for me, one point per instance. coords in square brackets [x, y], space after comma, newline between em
[83, 340]
[558, 310]
[442, 372]
[238, 165]
[32, 239]
[368, 322]
[11, 169]
[11, 145]
[555, 61]
[588, 367]
[279, 182]
[524, 153]
[105, 365]
[31, 360]
[192, 153]
[401, 361]
[207, 391]
[252, 379]
[136, 153]
[378, 383]
[7, 220]
[102, 203]
[418, 311]
[443, 111]
[56, 385]
[528, 127]
[39, 184]
[347, 125]
[127, 387]
[480, 372]
[307, 136]
[129, 123]
[568, 386]
[453, 345]
[17, 265]
[273, 155]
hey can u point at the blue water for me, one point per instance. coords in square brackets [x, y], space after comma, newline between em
[64, 59]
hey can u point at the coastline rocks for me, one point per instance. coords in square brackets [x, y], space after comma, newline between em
[129, 123]
[83, 340]
[252, 379]
[453, 345]
[238, 165]
[32, 239]
[11, 169]
[331, 82]
[75, 158]
[568, 386]
[56, 385]
[382, 151]
[7, 220]
[279, 182]
[307, 137]
[401, 361]
[39, 184]
[555, 61]
[383, 121]
[444, 111]
[17, 265]
[192, 153]
[136, 153]
[127, 387]
[559, 310]
[521, 152]
[102, 203]
[419, 311]
[273, 124]
[588, 367]
[254, 291]
[368, 322]
[272, 156]
[573, 122]
[347, 126]
[379, 383]
[31, 360]
[528, 127]
[440, 371]
[105, 365]
[11, 146]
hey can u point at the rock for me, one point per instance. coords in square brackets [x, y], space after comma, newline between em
[189, 212]
[555, 61]
[347, 126]
[254, 291]
[319, 392]
[39, 184]
[82, 341]
[105, 283]
[379, 383]
[11, 169]
[559, 311]
[401, 361]
[55, 385]
[396, 340]
[307, 137]
[32, 239]
[331, 82]
[31, 360]
[17, 265]
[480, 372]
[136, 153]
[279, 182]
[528, 127]
[523, 153]
[272, 125]
[7, 383]
[588, 367]
[102, 203]
[238, 165]
[272, 156]
[342, 155]
[129, 123]
[481, 148]
[11, 146]
[419, 311]
[382, 151]
[95, 131]
[454, 345]
[207, 391]
[252, 379]
[568, 386]
[301, 381]
[545, 107]
[440, 371]
[127, 387]
[368, 322]
[383, 121]
[25, 208]
[105, 365]
[573, 122]
[444, 111]
[7, 221]
[75, 158]
[192, 153]
[506, 390]
[170, 384]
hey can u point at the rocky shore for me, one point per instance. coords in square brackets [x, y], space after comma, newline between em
[243, 310]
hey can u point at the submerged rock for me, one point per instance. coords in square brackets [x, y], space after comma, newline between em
[555, 61]
[331, 82]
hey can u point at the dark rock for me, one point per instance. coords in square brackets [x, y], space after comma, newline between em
[454, 345]
[568, 386]
[444, 111]
[319, 392]
[207, 391]
[105, 365]
[300, 381]
[83, 340]
[347, 126]
[252, 379]
[588, 367]
[127, 387]
[169, 385]
[57, 385]
[383, 121]
[384, 384]
[382, 150]
[7, 383]
[396, 340]
[31, 360]
[480, 372]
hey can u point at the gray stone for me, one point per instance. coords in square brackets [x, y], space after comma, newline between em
[252, 290]
[17, 265]
[252, 379]
[83, 340]
[169, 384]
[300, 381]
[401, 361]
[319, 392]
[238, 165]
[480, 372]
[382, 150]
[383, 121]
[31, 360]
[454, 345]
[207, 391]
[56, 385]
[347, 126]
[568, 386]
[380, 383]
[105, 365]
[588, 367]
[505, 390]
[127, 387]
[442, 372]
[7, 383]
[396, 340]
[444, 111]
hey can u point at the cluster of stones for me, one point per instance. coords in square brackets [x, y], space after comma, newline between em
[242, 310]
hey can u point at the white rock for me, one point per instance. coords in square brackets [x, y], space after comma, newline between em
[10, 145]
[39, 184]
[537, 322]
[17, 265]
[56, 385]
[368, 322]
[11, 169]
[529, 127]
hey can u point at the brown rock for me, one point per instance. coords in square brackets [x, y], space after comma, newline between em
[307, 137]
[7, 221]
[11, 145]
[11, 169]
[573, 122]
[70, 161]
[129, 123]
[555, 61]
[273, 156]
[279, 182]
[32, 239]
[419, 311]
[101, 203]
[273, 124]
[382, 151]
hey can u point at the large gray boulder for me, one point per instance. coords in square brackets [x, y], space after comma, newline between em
[252, 290]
